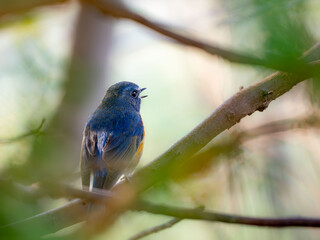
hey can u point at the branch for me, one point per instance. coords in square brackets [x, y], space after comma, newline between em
[76, 211]
[53, 220]
[202, 160]
[155, 229]
[278, 126]
[30, 133]
[255, 98]
[53, 190]
[197, 214]
[247, 101]
[118, 9]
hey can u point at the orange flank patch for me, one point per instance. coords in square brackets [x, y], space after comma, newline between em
[139, 150]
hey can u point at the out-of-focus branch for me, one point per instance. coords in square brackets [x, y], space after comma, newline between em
[254, 98]
[17, 7]
[27, 134]
[21, 192]
[155, 229]
[73, 212]
[17, 191]
[53, 190]
[118, 9]
[198, 214]
[312, 120]
[247, 101]
[57, 190]
[204, 159]
[54, 220]
[76, 211]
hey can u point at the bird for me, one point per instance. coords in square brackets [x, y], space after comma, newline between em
[113, 138]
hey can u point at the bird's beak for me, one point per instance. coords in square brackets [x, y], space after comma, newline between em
[142, 89]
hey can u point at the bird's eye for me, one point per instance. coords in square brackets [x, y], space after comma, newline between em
[134, 93]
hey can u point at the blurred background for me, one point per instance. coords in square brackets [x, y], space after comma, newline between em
[56, 63]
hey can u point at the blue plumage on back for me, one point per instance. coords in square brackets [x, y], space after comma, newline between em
[113, 137]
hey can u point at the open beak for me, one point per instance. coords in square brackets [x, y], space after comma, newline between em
[142, 89]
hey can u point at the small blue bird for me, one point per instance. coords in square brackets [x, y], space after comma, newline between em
[113, 137]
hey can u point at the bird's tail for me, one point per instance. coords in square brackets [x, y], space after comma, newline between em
[99, 179]
[102, 179]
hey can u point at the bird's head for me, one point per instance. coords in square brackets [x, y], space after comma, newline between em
[126, 91]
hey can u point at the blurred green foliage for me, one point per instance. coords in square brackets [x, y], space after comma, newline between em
[281, 25]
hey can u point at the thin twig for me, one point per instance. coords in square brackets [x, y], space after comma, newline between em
[155, 229]
[198, 214]
[35, 131]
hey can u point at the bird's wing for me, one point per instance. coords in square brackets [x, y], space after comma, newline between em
[107, 154]
[87, 158]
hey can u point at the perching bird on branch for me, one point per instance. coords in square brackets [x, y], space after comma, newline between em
[113, 137]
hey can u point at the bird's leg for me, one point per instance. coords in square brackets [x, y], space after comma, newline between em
[126, 179]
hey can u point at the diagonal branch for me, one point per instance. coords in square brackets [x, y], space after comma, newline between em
[255, 98]
[118, 9]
